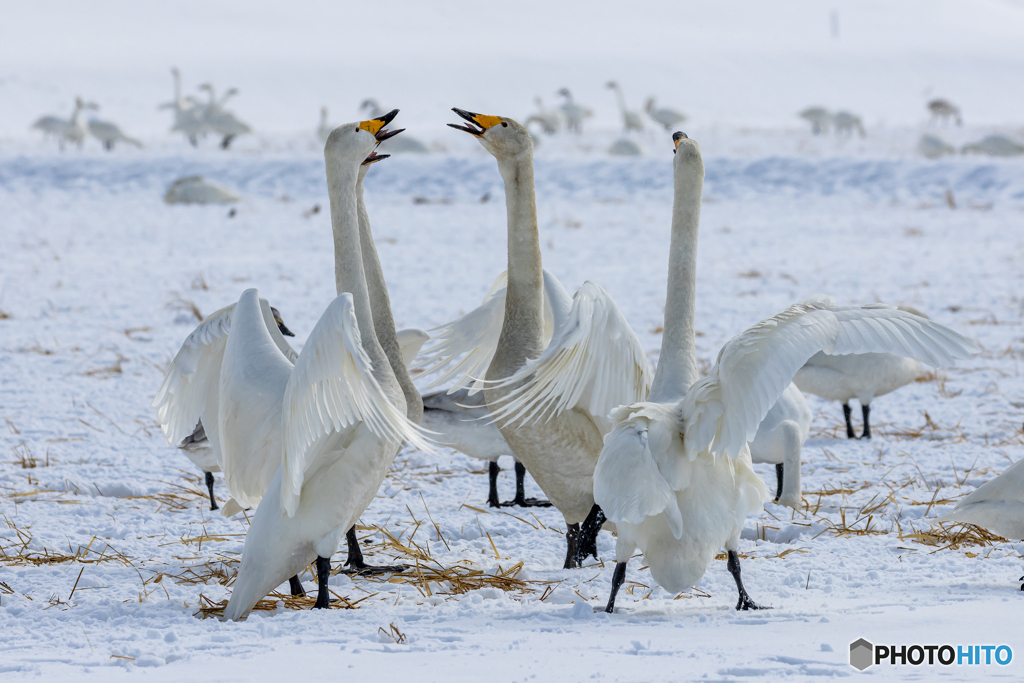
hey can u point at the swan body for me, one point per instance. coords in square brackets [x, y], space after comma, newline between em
[779, 440]
[574, 114]
[198, 190]
[997, 505]
[51, 125]
[675, 474]
[630, 119]
[221, 121]
[188, 113]
[66, 130]
[847, 123]
[110, 134]
[819, 118]
[943, 111]
[551, 404]
[665, 117]
[996, 146]
[624, 147]
[933, 147]
[323, 131]
[550, 121]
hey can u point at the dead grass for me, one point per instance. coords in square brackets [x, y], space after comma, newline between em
[179, 303]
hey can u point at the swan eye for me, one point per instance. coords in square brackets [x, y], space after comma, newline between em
[504, 125]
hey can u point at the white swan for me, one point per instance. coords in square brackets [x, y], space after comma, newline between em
[624, 147]
[110, 134]
[198, 190]
[550, 121]
[819, 118]
[66, 130]
[863, 376]
[667, 118]
[933, 147]
[996, 505]
[593, 363]
[461, 351]
[188, 113]
[323, 131]
[574, 114]
[675, 473]
[994, 145]
[630, 119]
[943, 111]
[221, 121]
[779, 440]
[847, 123]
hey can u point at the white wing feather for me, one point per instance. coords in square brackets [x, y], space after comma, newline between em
[595, 361]
[331, 389]
[723, 410]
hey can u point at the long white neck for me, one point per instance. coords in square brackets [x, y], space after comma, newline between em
[677, 364]
[522, 330]
[177, 88]
[380, 306]
[621, 99]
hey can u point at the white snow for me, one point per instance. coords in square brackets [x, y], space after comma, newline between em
[98, 273]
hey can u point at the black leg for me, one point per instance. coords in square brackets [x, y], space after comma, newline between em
[744, 603]
[227, 141]
[866, 411]
[849, 425]
[492, 493]
[1022, 585]
[521, 500]
[572, 537]
[587, 544]
[778, 475]
[209, 485]
[323, 572]
[355, 565]
[618, 577]
[296, 586]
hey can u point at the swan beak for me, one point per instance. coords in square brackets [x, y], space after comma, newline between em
[280, 323]
[375, 127]
[374, 157]
[482, 120]
[676, 137]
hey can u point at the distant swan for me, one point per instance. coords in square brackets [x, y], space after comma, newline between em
[323, 131]
[66, 130]
[994, 145]
[573, 113]
[188, 113]
[667, 118]
[220, 121]
[110, 134]
[943, 111]
[630, 119]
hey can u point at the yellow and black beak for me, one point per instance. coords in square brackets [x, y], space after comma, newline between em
[479, 123]
[676, 137]
[375, 127]
[280, 323]
[374, 158]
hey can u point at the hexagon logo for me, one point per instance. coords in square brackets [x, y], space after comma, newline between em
[861, 654]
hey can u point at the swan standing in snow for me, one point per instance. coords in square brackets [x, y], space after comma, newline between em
[943, 111]
[630, 119]
[459, 414]
[188, 113]
[624, 147]
[574, 114]
[934, 147]
[675, 474]
[110, 134]
[323, 131]
[593, 363]
[550, 121]
[221, 121]
[66, 130]
[994, 145]
[996, 505]
[819, 118]
[780, 439]
[847, 123]
[863, 376]
[667, 118]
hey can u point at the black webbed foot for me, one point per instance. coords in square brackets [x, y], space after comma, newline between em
[354, 565]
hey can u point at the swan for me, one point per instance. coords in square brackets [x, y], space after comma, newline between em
[604, 362]
[109, 134]
[934, 147]
[573, 113]
[846, 123]
[943, 111]
[819, 118]
[667, 118]
[188, 113]
[459, 414]
[996, 146]
[779, 440]
[396, 145]
[862, 376]
[196, 445]
[630, 119]
[323, 131]
[220, 121]
[66, 130]
[624, 147]
[550, 121]
[675, 474]
[196, 189]
[996, 505]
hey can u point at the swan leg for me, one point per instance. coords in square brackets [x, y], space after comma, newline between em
[193, 141]
[849, 425]
[296, 586]
[571, 541]
[779, 476]
[492, 493]
[209, 485]
[226, 142]
[323, 573]
[744, 603]
[355, 565]
[866, 411]
[587, 543]
[521, 500]
[618, 578]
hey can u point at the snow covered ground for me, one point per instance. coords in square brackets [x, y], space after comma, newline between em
[108, 551]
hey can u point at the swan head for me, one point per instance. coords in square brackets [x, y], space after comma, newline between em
[351, 141]
[501, 136]
[687, 154]
[611, 85]
[280, 323]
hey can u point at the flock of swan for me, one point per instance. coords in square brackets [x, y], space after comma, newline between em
[662, 459]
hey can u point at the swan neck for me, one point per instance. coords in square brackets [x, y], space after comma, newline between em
[677, 364]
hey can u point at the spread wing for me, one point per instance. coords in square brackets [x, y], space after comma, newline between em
[333, 389]
[595, 362]
[723, 410]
